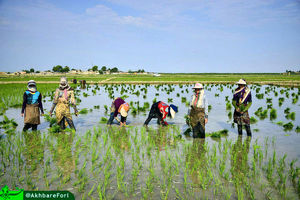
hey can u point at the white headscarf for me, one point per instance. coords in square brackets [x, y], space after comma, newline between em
[63, 84]
[31, 85]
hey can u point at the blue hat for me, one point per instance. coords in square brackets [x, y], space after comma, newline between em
[172, 110]
[175, 108]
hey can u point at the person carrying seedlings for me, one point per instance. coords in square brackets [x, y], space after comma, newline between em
[118, 106]
[198, 111]
[32, 105]
[63, 98]
[242, 101]
[161, 110]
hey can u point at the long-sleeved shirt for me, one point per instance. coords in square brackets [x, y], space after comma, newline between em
[32, 98]
[199, 102]
[242, 99]
[117, 103]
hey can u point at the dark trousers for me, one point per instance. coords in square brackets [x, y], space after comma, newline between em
[111, 118]
[198, 131]
[248, 130]
[154, 113]
[28, 126]
[62, 123]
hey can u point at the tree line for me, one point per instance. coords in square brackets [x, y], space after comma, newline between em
[95, 68]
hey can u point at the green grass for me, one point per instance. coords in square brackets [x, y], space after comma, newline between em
[164, 77]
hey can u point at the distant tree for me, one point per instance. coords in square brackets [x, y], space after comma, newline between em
[25, 70]
[37, 72]
[31, 70]
[103, 68]
[129, 71]
[100, 72]
[65, 69]
[95, 68]
[57, 68]
[113, 70]
[140, 71]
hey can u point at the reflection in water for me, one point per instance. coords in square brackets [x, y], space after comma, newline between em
[198, 163]
[34, 156]
[119, 139]
[239, 160]
[62, 154]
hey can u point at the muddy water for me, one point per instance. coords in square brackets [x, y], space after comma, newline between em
[66, 154]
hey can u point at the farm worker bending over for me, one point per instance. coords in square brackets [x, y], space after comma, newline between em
[198, 111]
[161, 110]
[118, 106]
[63, 98]
[242, 101]
[32, 104]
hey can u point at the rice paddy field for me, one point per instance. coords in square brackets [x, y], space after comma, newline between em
[136, 162]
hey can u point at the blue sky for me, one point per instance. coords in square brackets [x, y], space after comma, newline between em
[155, 35]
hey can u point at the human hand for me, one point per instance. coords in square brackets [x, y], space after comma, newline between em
[76, 113]
[42, 114]
[22, 114]
[238, 110]
[206, 120]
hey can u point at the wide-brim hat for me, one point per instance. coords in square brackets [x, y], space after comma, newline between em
[198, 86]
[124, 109]
[241, 82]
[173, 110]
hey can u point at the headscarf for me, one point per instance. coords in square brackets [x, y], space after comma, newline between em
[63, 84]
[243, 94]
[31, 86]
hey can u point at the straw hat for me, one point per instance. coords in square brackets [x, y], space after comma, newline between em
[241, 82]
[124, 109]
[198, 86]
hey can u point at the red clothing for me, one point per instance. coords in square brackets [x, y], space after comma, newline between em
[163, 108]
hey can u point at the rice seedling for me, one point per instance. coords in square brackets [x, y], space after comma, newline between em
[291, 116]
[273, 114]
[228, 106]
[103, 120]
[253, 120]
[97, 107]
[297, 130]
[287, 111]
[209, 108]
[280, 101]
[288, 126]
[259, 96]
[83, 111]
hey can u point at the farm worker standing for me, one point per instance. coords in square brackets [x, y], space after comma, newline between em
[118, 106]
[242, 101]
[161, 110]
[198, 111]
[63, 98]
[32, 105]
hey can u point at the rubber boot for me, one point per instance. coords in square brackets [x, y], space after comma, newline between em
[240, 129]
[248, 130]
[71, 124]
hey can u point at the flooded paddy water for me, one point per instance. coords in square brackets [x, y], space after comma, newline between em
[134, 162]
